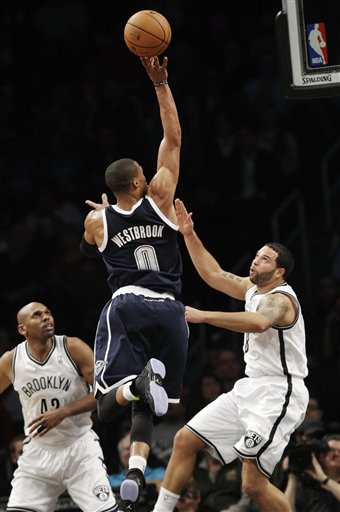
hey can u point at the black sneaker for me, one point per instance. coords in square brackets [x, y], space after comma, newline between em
[126, 506]
[148, 386]
[130, 490]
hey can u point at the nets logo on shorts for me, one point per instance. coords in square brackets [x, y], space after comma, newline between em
[102, 492]
[252, 439]
[99, 366]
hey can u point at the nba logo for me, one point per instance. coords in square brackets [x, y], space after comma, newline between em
[317, 45]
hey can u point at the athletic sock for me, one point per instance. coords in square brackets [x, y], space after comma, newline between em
[128, 392]
[136, 461]
[166, 501]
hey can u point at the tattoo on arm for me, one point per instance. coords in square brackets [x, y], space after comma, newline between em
[273, 306]
[228, 275]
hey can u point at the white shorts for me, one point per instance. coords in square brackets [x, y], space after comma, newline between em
[44, 473]
[253, 421]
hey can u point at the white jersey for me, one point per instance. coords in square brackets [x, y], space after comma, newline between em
[279, 350]
[50, 384]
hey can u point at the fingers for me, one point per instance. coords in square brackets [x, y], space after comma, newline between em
[105, 200]
[165, 62]
[90, 203]
[154, 62]
[181, 209]
[39, 431]
[39, 420]
[98, 206]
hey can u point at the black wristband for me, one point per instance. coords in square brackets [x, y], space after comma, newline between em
[87, 249]
[159, 84]
[325, 481]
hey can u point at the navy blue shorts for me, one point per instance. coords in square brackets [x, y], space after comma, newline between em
[131, 330]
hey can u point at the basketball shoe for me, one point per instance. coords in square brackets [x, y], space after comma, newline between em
[148, 386]
[130, 490]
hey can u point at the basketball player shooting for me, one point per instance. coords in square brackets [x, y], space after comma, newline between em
[142, 335]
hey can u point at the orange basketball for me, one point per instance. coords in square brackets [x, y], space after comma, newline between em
[147, 33]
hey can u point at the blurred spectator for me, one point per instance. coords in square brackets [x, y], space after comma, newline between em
[280, 142]
[327, 290]
[10, 463]
[165, 431]
[9, 400]
[331, 338]
[228, 368]
[314, 409]
[309, 429]
[316, 488]
[190, 498]
[208, 388]
[219, 485]
[250, 168]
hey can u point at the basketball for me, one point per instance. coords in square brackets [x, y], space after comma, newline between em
[147, 33]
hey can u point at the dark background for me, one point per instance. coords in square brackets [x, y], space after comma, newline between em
[73, 99]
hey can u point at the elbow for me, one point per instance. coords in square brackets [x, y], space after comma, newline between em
[208, 278]
[261, 324]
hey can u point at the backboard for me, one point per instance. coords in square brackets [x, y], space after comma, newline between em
[308, 38]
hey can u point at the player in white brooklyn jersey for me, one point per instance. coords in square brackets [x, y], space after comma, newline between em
[255, 420]
[53, 375]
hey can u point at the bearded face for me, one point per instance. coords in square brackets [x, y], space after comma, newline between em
[262, 278]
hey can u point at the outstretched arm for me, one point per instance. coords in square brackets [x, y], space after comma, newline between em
[163, 185]
[206, 265]
[272, 310]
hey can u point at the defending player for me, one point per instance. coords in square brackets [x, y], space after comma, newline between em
[52, 375]
[255, 420]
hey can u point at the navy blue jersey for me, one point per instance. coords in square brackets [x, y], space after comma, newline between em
[140, 248]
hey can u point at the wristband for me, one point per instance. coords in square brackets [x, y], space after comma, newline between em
[325, 481]
[159, 84]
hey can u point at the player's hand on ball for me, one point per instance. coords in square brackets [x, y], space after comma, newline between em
[193, 315]
[157, 72]
[184, 219]
[98, 206]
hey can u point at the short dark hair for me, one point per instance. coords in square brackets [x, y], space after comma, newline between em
[285, 258]
[119, 174]
[331, 437]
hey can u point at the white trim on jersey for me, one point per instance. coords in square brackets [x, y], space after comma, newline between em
[160, 214]
[105, 237]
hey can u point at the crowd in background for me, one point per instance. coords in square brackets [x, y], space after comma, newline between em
[73, 99]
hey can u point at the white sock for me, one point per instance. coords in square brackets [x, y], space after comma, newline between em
[127, 392]
[136, 461]
[166, 501]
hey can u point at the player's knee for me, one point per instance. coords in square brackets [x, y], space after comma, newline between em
[106, 405]
[186, 442]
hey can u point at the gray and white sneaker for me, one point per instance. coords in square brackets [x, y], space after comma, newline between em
[149, 387]
[130, 490]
